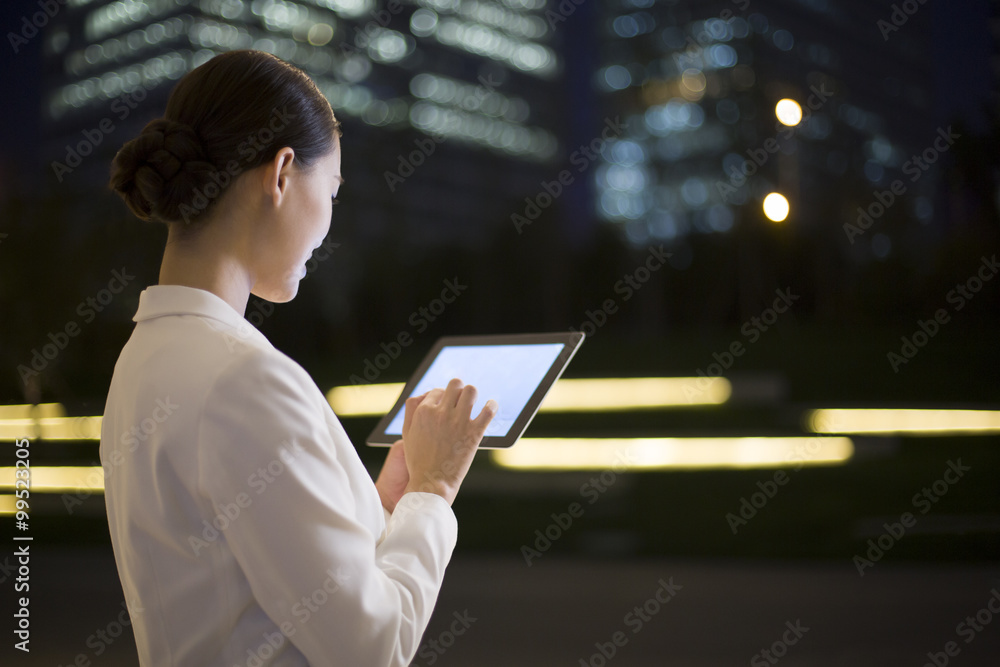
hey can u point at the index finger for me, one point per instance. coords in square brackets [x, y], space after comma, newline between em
[452, 391]
[466, 399]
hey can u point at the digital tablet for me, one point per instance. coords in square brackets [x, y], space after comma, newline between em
[516, 370]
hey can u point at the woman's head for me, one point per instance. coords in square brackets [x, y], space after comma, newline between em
[244, 135]
[226, 117]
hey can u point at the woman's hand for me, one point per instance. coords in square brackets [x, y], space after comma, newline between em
[440, 438]
[394, 477]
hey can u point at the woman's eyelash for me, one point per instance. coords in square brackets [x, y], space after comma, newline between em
[335, 200]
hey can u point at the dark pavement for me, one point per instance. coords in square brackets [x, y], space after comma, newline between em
[496, 611]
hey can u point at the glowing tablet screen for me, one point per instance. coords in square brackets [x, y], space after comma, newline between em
[509, 374]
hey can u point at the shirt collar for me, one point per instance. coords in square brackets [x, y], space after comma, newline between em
[163, 300]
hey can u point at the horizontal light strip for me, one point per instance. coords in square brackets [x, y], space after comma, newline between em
[564, 454]
[567, 395]
[587, 395]
[29, 411]
[904, 422]
[672, 453]
[51, 428]
[364, 399]
[58, 479]
[8, 506]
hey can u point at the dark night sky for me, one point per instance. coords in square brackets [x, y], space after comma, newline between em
[962, 47]
[21, 83]
[962, 50]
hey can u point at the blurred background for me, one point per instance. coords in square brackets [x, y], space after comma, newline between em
[775, 220]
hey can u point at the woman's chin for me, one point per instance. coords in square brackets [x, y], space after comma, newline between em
[283, 294]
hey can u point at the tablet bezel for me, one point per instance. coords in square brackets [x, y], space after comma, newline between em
[571, 341]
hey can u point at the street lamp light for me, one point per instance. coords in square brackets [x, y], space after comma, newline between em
[788, 112]
[775, 207]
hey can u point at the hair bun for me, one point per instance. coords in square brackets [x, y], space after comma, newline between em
[161, 171]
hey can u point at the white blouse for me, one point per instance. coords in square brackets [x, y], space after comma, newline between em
[245, 528]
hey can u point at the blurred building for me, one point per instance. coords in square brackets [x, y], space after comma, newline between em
[506, 85]
[701, 82]
[433, 93]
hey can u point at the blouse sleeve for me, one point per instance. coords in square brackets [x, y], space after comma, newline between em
[318, 573]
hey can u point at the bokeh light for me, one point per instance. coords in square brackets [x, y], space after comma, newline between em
[788, 112]
[775, 207]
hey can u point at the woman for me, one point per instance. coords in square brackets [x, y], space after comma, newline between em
[246, 531]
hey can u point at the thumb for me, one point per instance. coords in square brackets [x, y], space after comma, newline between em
[397, 449]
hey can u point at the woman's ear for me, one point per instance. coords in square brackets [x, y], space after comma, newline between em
[278, 172]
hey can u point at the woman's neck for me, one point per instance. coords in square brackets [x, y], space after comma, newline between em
[204, 261]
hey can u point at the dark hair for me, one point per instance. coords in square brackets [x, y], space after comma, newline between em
[225, 117]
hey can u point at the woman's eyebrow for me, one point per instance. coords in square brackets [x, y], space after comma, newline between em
[341, 179]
